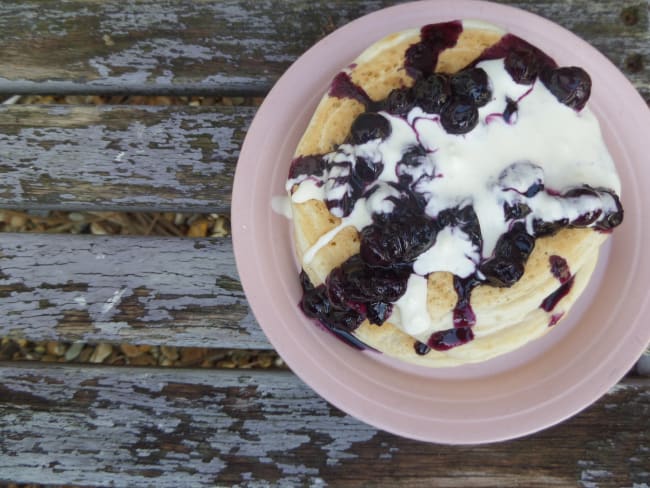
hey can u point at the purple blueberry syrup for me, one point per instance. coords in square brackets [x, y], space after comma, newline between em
[422, 57]
[560, 268]
[463, 314]
[555, 318]
[366, 286]
[549, 303]
[343, 87]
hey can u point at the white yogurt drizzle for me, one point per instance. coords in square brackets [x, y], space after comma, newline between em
[548, 141]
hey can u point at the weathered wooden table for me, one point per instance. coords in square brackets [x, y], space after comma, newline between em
[82, 425]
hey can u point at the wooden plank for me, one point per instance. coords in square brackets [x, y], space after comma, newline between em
[132, 427]
[233, 46]
[120, 157]
[167, 291]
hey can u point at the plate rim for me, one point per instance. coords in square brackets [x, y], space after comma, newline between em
[241, 235]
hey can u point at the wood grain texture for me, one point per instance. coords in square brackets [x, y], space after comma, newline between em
[145, 427]
[147, 290]
[234, 46]
[120, 157]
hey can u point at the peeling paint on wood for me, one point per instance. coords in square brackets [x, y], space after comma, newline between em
[127, 158]
[143, 290]
[91, 426]
[163, 46]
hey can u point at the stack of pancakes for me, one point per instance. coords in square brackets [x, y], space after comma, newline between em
[506, 318]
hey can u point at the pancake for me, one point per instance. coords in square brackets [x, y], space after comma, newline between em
[452, 312]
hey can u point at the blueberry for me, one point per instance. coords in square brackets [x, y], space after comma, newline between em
[384, 287]
[305, 282]
[409, 206]
[502, 272]
[472, 83]
[586, 219]
[353, 189]
[465, 218]
[542, 228]
[446, 218]
[378, 312]
[603, 221]
[421, 348]
[336, 288]
[524, 242]
[355, 281]
[515, 212]
[413, 156]
[570, 85]
[446, 339]
[307, 165]
[611, 219]
[523, 177]
[344, 205]
[505, 248]
[315, 304]
[523, 66]
[515, 245]
[367, 171]
[399, 101]
[419, 59]
[398, 242]
[534, 189]
[468, 221]
[368, 126]
[432, 93]
[510, 111]
[349, 319]
[376, 248]
[414, 166]
[579, 191]
[459, 116]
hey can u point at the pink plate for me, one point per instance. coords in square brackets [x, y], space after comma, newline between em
[513, 395]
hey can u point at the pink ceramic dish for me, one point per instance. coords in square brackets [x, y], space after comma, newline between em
[513, 395]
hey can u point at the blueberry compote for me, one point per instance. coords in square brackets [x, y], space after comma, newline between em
[407, 217]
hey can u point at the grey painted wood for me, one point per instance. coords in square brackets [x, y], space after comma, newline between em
[233, 46]
[151, 427]
[147, 290]
[120, 157]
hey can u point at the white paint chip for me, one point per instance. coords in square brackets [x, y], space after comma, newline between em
[114, 300]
